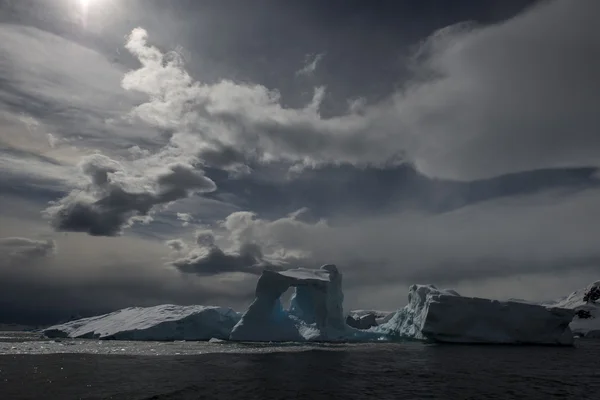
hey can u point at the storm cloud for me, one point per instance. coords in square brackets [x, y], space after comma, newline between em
[168, 153]
[105, 206]
[239, 250]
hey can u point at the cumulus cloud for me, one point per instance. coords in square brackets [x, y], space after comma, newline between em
[483, 101]
[185, 218]
[546, 233]
[114, 198]
[176, 245]
[311, 64]
[20, 247]
[241, 248]
[212, 260]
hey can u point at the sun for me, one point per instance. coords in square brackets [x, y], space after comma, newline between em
[85, 4]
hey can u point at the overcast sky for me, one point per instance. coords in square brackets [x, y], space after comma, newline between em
[166, 152]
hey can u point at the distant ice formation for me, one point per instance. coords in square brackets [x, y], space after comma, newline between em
[316, 314]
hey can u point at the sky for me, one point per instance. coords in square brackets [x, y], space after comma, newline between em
[159, 152]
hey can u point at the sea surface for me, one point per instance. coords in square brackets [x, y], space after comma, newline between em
[32, 367]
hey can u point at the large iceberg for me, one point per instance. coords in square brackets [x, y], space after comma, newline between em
[445, 316]
[586, 305]
[315, 312]
[164, 322]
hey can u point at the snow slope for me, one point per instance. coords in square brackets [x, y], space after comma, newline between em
[588, 326]
[445, 316]
[164, 322]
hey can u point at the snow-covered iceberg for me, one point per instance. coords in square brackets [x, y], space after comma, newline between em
[445, 316]
[164, 322]
[586, 305]
[315, 312]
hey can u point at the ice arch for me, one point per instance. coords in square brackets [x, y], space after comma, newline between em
[315, 313]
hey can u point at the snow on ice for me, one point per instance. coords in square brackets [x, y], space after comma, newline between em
[445, 316]
[164, 322]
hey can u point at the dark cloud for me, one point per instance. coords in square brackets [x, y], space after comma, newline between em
[112, 201]
[212, 260]
[222, 156]
[372, 141]
[207, 258]
[184, 177]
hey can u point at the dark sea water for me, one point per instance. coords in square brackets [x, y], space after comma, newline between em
[31, 368]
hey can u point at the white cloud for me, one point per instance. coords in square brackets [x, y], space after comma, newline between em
[485, 101]
[177, 245]
[240, 244]
[185, 218]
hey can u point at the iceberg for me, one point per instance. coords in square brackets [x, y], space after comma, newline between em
[586, 305]
[315, 313]
[445, 316]
[160, 323]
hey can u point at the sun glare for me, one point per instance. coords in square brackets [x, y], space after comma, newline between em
[84, 6]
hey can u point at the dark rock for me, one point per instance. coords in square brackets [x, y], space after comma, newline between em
[583, 314]
[592, 295]
[368, 321]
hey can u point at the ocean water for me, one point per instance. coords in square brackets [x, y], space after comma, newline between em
[34, 368]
